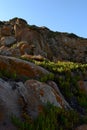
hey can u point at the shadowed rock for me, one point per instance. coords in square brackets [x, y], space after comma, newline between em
[17, 98]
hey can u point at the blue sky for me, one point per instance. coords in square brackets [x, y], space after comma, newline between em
[58, 15]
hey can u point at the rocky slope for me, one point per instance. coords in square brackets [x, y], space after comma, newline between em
[17, 38]
[29, 80]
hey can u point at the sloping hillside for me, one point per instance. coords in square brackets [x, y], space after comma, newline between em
[43, 78]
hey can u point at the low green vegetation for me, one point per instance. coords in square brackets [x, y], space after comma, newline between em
[7, 74]
[60, 67]
[47, 77]
[52, 118]
[66, 75]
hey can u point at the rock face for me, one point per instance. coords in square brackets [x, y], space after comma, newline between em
[5, 31]
[8, 105]
[21, 68]
[21, 90]
[8, 41]
[28, 97]
[38, 94]
[42, 41]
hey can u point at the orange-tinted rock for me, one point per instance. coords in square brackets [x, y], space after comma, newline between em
[20, 99]
[21, 68]
[38, 95]
[59, 95]
[25, 49]
[42, 41]
[6, 31]
[19, 25]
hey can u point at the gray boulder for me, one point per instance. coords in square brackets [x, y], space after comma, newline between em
[8, 41]
[18, 98]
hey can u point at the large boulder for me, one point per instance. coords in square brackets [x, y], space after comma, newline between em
[29, 98]
[38, 95]
[16, 50]
[8, 41]
[21, 68]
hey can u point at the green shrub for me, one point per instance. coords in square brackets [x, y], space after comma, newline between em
[52, 118]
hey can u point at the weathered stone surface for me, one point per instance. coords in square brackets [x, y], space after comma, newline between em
[6, 51]
[37, 94]
[21, 68]
[61, 99]
[18, 39]
[8, 41]
[42, 41]
[24, 47]
[17, 98]
[5, 31]
[8, 105]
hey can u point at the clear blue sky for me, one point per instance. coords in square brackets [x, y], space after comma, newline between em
[58, 15]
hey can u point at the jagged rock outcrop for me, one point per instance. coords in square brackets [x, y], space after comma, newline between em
[42, 41]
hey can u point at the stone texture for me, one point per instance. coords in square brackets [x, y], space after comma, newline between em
[8, 105]
[18, 39]
[37, 94]
[18, 98]
[42, 41]
[21, 68]
[5, 31]
[8, 41]
[63, 102]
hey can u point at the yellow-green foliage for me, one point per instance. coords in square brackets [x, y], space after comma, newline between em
[61, 66]
[68, 75]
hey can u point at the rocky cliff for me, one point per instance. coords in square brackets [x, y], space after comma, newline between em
[18, 38]
[36, 70]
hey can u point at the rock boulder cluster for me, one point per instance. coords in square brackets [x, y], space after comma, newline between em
[24, 92]
[17, 37]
